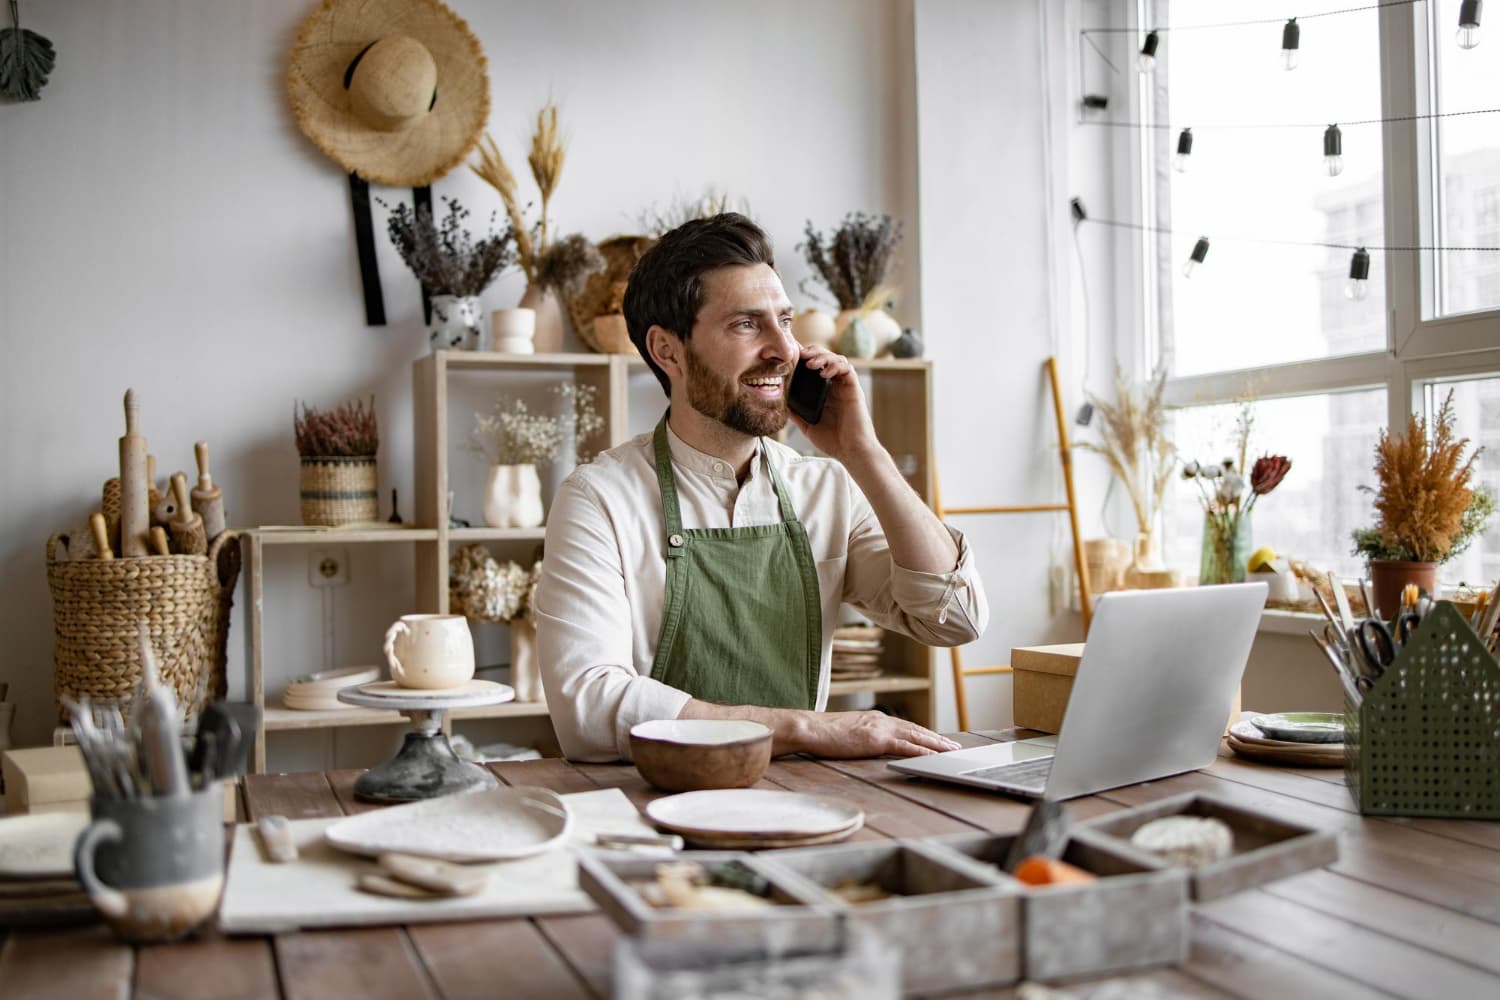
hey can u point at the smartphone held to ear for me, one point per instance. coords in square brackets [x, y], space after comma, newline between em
[807, 394]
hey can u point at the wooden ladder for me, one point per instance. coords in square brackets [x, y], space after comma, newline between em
[1079, 564]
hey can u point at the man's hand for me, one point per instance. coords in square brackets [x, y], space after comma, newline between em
[868, 734]
[845, 431]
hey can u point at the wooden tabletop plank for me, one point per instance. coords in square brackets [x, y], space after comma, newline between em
[550, 772]
[1428, 925]
[885, 812]
[1244, 967]
[211, 966]
[586, 942]
[342, 784]
[295, 796]
[80, 964]
[1377, 961]
[367, 962]
[490, 958]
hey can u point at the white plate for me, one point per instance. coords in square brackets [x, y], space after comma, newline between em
[754, 812]
[492, 825]
[389, 694]
[39, 845]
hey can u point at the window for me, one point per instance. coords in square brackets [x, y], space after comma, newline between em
[1271, 322]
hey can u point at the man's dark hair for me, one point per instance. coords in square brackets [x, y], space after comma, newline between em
[666, 284]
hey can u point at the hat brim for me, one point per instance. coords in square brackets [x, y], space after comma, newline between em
[338, 31]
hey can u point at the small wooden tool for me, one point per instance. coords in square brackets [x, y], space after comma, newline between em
[187, 527]
[159, 544]
[433, 875]
[135, 509]
[208, 499]
[276, 838]
[383, 885]
[153, 495]
[101, 535]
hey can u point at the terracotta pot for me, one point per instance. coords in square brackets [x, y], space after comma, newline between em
[1388, 577]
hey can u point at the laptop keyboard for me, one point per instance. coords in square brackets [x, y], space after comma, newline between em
[1026, 773]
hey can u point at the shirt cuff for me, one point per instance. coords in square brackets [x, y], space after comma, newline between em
[928, 596]
[645, 700]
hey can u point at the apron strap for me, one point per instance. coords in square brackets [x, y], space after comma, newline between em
[671, 513]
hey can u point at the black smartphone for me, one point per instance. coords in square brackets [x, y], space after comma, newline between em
[807, 394]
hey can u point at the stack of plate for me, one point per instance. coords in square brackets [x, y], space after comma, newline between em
[37, 885]
[320, 692]
[856, 652]
[1299, 739]
[747, 819]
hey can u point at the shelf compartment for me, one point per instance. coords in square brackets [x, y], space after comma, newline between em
[880, 685]
[277, 719]
[496, 534]
[275, 535]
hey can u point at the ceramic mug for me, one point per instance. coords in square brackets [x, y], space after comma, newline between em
[430, 651]
[154, 866]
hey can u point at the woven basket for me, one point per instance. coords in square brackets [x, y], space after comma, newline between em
[600, 293]
[99, 605]
[339, 491]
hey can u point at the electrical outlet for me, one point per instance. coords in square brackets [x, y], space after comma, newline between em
[1057, 589]
[328, 567]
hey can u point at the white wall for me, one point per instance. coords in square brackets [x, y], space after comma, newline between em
[166, 227]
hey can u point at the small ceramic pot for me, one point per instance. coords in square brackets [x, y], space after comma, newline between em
[513, 331]
[548, 338]
[513, 497]
[430, 652]
[814, 328]
[525, 674]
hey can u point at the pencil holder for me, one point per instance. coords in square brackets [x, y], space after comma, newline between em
[1426, 739]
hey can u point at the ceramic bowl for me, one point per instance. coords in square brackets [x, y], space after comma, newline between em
[688, 755]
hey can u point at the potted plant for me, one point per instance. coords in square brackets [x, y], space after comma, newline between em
[452, 266]
[338, 449]
[553, 268]
[1426, 509]
[852, 264]
[481, 588]
[515, 441]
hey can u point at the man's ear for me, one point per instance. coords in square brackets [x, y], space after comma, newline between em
[666, 350]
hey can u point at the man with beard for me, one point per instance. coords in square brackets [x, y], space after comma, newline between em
[696, 572]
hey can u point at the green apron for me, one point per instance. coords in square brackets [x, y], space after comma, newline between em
[742, 620]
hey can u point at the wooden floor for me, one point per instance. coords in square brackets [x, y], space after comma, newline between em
[1411, 909]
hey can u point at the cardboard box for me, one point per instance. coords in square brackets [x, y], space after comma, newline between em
[45, 779]
[1042, 678]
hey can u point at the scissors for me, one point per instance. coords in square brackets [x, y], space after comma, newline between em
[1378, 645]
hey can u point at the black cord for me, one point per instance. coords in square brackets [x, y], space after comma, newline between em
[1243, 24]
[1196, 127]
[1294, 243]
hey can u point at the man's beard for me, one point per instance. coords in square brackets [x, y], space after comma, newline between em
[733, 404]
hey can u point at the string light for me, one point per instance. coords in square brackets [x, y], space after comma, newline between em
[1291, 39]
[1147, 58]
[1333, 150]
[1198, 256]
[1184, 151]
[1357, 288]
[1468, 23]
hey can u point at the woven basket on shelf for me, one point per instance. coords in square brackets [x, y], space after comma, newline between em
[99, 605]
[339, 491]
[601, 291]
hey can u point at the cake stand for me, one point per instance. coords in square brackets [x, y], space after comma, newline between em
[426, 765]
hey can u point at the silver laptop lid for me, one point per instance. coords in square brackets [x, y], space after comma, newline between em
[1155, 685]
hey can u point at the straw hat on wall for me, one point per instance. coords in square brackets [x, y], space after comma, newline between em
[395, 91]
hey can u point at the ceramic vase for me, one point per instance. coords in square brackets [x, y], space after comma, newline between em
[814, 328]
[455, 323]
[513, 497]
[1226, 548]
[865, 333]
[525, 674]
[549, 321]
[513, 331]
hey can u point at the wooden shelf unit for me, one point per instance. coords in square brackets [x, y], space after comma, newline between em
[900, 396]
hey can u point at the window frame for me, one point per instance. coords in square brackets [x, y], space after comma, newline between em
[1419, 344]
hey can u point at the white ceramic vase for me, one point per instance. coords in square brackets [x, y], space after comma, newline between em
[513, 331]
[513, 497]
[455, 323]
[525, 674]
[549, 319]
[814, 328]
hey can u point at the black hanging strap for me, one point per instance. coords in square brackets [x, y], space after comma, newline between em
[364, 238]
[421, 196]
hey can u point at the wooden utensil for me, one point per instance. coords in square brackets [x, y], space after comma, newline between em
[153, 495]
[161, 743]
[187, 526]
[101, 535]
[109, 503]
[135, 509]
[208, 499]
[159, 541]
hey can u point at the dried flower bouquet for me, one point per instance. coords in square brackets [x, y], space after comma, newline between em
[445, 258]
[511, 434]
[853, 261]
[347, 431]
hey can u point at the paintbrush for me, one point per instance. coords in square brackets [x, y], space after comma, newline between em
[161, 742]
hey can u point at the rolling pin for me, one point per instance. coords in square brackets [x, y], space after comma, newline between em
[135, 509]
[187, 527]
[159, 540]
[208, 499]
[153, 495]
[101, 535]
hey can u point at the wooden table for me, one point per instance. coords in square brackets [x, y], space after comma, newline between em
[1411, 909]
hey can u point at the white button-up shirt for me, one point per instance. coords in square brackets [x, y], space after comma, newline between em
[598, 606]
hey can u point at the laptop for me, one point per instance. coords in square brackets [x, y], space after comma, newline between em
[1154, 687]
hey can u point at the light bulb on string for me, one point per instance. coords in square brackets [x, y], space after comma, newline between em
[1147, 59]
[1184, 151]
[1198, 256]
[1333, 150]
[1468, 23]
[1357, 288]
[1291, 40]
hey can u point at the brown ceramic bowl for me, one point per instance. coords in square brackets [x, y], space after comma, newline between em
[686, 755]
